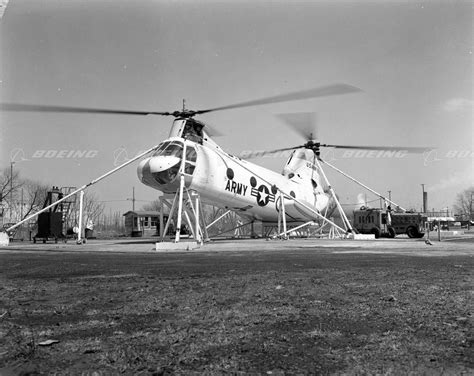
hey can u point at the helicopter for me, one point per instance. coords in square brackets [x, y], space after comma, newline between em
[189, 159]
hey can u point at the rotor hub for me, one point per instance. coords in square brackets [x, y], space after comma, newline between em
[314, 146]
[184, 113]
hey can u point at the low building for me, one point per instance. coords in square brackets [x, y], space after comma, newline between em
[142, 223]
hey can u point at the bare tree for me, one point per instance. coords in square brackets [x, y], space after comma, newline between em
[32, 198]
[9, 184]
[152, 206]
[92, 209]
[21, 196]
[463, 204]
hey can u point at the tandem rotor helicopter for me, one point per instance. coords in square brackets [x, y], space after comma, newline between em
[190, 165]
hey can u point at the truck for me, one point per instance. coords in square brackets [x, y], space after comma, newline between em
[386, 223]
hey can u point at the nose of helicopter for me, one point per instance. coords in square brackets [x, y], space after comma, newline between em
[162, 163]
[158, 169]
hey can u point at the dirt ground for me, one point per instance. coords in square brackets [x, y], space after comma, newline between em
[259, 307]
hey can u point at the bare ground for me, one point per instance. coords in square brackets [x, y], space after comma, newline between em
[282, 312]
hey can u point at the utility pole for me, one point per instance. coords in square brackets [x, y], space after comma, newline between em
[21, 205]
[424, 198]
[470, 213]
[133, 199]
[11, 189]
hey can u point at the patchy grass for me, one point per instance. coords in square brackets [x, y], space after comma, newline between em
[295, 312]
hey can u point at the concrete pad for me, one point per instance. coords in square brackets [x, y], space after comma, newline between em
[397, 246]
[4, 239]
[364, 237]
[181, 246]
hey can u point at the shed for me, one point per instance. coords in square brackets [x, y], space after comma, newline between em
[142, 223]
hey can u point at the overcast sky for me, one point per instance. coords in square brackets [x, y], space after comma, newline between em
[413, 61]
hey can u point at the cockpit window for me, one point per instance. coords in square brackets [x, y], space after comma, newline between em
[173, 149]
[160, 149]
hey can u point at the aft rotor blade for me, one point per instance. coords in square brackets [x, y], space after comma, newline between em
[323, 91]
[303, 123]
[84, 110]
[410, 149]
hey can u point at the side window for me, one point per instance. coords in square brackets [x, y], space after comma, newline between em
[191, 154]
[191, 157]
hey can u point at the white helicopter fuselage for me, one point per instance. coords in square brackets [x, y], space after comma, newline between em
[229, 182]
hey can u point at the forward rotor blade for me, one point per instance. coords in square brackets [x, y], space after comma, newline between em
[303, 123]
[85, 110]
[212, 131]
[409, 149]
[323, 91]
[263, 153]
